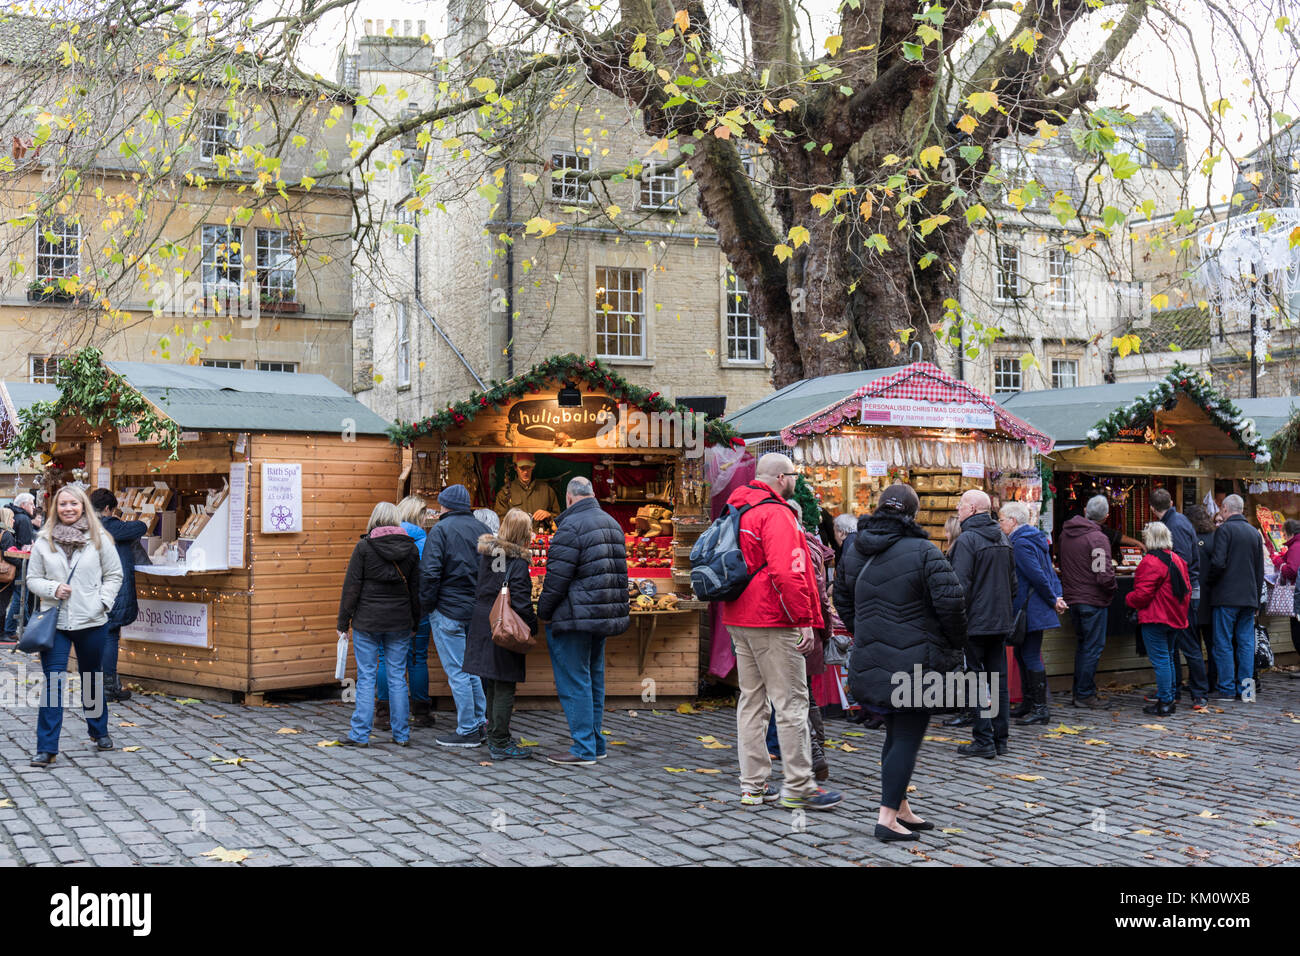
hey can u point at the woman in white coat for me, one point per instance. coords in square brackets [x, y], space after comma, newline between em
[74, 567]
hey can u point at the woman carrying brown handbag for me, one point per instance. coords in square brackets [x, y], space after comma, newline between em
[503, 560]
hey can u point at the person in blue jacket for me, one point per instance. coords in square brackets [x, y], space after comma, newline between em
[125, 609]
[412, 510]
[1040, 597]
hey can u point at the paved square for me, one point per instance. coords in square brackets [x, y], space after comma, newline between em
[1108, 787]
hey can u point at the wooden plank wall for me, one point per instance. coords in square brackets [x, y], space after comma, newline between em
[297, 578]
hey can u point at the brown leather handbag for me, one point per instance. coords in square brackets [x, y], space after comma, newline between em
[508, 629]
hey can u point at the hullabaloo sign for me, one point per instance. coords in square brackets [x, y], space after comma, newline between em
[545, 420]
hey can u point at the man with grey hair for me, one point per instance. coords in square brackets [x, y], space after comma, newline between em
[1088, 586]
[985, 565]
[583, 601]
[24, 507]
[1236, 579]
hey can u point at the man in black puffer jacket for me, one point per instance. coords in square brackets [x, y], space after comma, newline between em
[985, 564]
[584, 601]
[903, 604]
[448, 578]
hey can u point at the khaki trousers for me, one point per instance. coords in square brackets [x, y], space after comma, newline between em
[771, 670]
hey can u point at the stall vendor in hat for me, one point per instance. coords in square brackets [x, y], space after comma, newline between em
[536, 498]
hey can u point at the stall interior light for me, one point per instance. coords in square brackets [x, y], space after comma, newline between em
[569, 396]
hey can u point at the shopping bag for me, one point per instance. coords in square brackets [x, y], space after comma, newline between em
[341, 658]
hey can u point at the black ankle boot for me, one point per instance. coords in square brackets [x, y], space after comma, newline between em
[1036, 692]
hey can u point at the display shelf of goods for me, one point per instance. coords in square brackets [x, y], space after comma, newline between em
[192, 538]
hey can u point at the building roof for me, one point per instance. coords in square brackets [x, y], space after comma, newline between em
[35, 41]
[1270, 415]
[223, 399]
[795, 402]
[1068, 413]
[1187, 328]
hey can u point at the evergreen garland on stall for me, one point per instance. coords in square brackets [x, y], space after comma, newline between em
[1220, 409]
[89, 390]
[578, 369]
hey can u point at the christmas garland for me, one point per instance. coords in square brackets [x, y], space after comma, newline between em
[578, 369]
[809, 510]
[1220, 409]
[88, 389]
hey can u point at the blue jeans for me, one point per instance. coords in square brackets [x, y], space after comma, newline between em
[112, 639]
[11, 614]
[1234, 643]
[1090, 631]
[466, 689]
[1030, 654]
[365, 647]
[89, 643]
[417, 666]
[1160, 640]
[578, 662]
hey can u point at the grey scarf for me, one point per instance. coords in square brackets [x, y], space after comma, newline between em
[71, 537]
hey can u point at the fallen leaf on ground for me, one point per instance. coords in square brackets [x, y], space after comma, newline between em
[1062, 729]
[942, 740]
[1167, 754]
[187, 700]
[717, 746]
[288, 730]
[617, 743]
[130, 750]
[485, 763]
[1155, 727]
[232, 760]
[675, 769]
[218, 716]
[1196, 852]
[328, 743]
[525, 742]
[1208, 815]
[685, 708]
[911, 789]
[6, 804]
[854, 733]
[951, 830]
[706, 770]
[849, 749]
[1030, 806]
[1263, 823]
[127, 723]
[1053, 736]
[712, 743]
[1094, 742]
[227, 856]
[1027, 777]
[1145, 832]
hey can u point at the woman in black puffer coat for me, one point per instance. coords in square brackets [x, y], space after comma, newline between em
[907, 608]
[502, 560]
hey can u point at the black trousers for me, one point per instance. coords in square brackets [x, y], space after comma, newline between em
[1188, 644]
[904, 731]
[991, 659]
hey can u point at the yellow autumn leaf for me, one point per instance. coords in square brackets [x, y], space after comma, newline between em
[539, 227]
[782, 252]
[231, 760]
[617, 743]
[328, 743]
[1208, 815]
[853, 733]
[226, 856]
[847, 748]
[967, 123]
[981, 101]
[931, 156]
[675, 769]
[952, 830]
[1094, 742]
[525, 742]
[1053, 736]
[685, 708]
[1294, 239]
[1154, 727]
[786, 105]
[822, 202]
[799, 235]
[288, 730]
[835, 337]
[612, 210]
[1145, 832]
[1263, 823]
[682, 20]
[127, 723]
[130, 750]
[1064, 730]
[6, 804]
[1027, 777]
[1160, 301]
[706, 770]
[833, 44]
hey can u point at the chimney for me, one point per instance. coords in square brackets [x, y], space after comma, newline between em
[466, 26]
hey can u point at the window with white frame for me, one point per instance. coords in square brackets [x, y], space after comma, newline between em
[658, 189]
[1008, 273]
[1006, 375]
[223, 363]
[1065, 373]
[744, 335]
[277, 366]
[58, 249]
[620, 313]
[1015, 165]
[45, 369]
[403, 347]
[277, 266]
[218, 134]
[565, 187]
[1060, 277]
[223, 264]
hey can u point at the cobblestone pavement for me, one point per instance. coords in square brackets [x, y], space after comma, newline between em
[1220, 788]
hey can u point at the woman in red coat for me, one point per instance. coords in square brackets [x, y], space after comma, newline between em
[1161, 595]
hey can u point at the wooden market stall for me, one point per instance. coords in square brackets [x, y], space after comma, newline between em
[577, 417]
[19, 476]
[1124, 440]
[255, 486]
[916, 424]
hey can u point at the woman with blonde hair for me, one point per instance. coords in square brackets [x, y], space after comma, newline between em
[74, 568]
[381, 605]
[503, 560]
[412, 512]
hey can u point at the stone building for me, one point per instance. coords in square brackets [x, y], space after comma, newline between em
[485, 287]
[174, 243]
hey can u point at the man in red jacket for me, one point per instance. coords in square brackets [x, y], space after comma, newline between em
[771, 626]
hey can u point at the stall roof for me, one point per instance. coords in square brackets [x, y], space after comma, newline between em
[14, 397]
[221, 399]
[797, 401]
[1067, 413]
[1269, 414]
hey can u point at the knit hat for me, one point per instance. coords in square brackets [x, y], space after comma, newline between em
[456, 498]
[898, 499]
